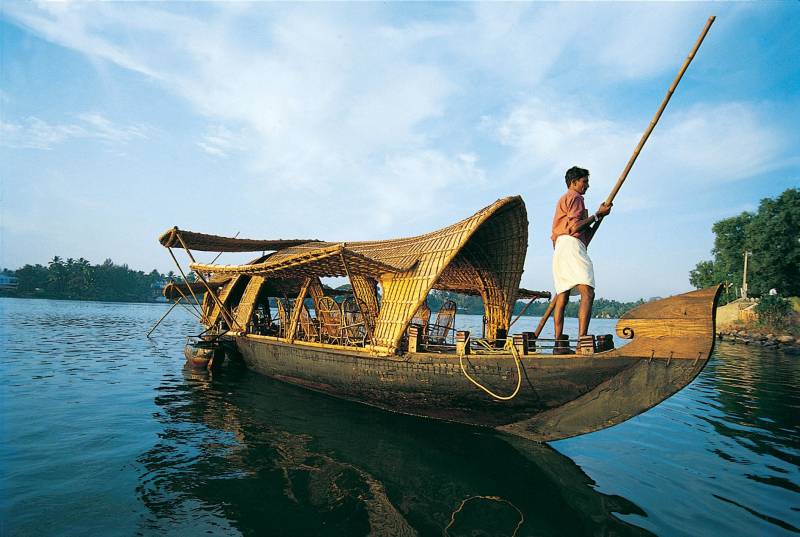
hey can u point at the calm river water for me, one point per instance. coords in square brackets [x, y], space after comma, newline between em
[105, 433]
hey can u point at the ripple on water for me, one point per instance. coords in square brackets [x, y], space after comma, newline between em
[91, 405]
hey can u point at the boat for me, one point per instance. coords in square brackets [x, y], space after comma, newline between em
[377, 345]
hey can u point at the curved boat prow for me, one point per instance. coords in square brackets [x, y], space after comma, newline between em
[680, 327]
[672, 341]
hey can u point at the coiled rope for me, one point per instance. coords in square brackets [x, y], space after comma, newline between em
[510, 346]
[490, 498]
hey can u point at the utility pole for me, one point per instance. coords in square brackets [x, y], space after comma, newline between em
[744, 276]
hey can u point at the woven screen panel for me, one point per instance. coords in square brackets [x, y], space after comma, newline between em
[215, 314]
[248, 301]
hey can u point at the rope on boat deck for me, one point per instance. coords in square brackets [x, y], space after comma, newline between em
[490, 498]
[509, 345]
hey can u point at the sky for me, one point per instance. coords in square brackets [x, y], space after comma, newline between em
[363, 121]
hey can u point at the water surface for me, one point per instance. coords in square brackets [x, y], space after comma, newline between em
[105, 433]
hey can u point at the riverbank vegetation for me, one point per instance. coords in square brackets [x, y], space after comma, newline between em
[772, 235]
[78, 279]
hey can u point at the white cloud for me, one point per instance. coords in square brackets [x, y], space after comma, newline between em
[35, 133]
[690, 149]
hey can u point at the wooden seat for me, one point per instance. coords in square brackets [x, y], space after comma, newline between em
[442, 331]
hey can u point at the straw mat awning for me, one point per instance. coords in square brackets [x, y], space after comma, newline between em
[215, 243]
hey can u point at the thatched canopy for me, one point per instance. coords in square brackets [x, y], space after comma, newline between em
[213, 243]
[483, 254]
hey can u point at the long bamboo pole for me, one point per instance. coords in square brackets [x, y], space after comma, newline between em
[660, 110]
[163, 317]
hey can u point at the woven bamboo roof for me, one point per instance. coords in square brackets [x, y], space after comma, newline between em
[316, 259]
[214, 243]
[483, 254]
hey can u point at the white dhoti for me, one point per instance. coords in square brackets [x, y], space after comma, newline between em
[571, 265]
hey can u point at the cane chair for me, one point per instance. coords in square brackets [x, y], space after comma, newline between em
[284, 314]
[308, 325]
[442, 331]
[354, 332]
[330, 320]
[422, 318]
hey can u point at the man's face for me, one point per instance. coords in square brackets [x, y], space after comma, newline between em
[580, 186]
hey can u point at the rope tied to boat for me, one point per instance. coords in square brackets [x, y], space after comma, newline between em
[517, 361]
[490, 498]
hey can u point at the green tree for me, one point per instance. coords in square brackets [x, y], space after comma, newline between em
[773, 237]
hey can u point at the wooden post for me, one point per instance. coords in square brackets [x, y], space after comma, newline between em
[298, 308]
[414, 339]
[521, 343]
[462, 342]
[500, 338]
[530, 341]
[586, 345]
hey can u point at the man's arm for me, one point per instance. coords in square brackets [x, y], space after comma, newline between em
[580, 225]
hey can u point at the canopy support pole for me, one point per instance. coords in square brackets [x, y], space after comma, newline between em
[298, 305]
[228, 315]
[199, 314]
[528, 305]
[185, 279]
[163, 317]
[358, 301]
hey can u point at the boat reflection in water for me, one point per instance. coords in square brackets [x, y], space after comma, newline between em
[278, 460]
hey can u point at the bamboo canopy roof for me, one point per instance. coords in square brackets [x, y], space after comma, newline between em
[481, 255]
[214, 243]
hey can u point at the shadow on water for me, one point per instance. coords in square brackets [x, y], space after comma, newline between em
[272, 459]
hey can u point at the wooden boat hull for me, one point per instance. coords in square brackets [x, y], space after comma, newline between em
[202, 357]
[561, 395]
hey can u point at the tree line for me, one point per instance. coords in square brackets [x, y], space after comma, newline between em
[78, 279]
[771, 235]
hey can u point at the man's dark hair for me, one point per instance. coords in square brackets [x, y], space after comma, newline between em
[575, 173]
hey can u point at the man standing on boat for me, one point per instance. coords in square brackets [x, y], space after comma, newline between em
[573, 272]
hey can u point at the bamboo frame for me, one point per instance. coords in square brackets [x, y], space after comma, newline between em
[225, 313]
[367, 326]
[298, 306]
[480, 255]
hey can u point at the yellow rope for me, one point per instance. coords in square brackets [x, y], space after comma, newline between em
[491, 498]
[517, 362]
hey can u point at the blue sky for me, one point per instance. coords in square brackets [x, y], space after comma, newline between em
[376, 120]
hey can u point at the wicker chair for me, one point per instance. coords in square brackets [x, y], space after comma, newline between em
[330, 320]
[422, 318]
[309, 331]
[354, 331]
[442, 331]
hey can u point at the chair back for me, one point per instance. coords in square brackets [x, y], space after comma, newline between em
[354, 331]
[330, 319]
[422, 318]
[284, 314]
[442, 329]
[308, 325]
